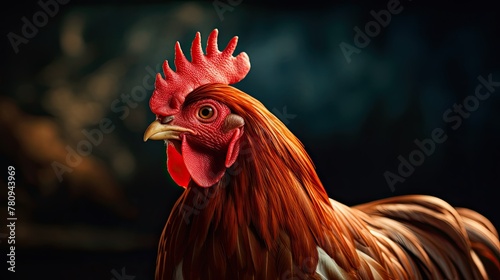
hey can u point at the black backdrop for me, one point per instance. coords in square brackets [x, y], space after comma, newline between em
[87, 62]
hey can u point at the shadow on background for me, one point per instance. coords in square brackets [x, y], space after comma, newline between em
[92, 197]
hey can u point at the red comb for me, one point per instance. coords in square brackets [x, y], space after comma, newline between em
[213, 67]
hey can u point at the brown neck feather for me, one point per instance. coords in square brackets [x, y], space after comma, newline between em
[270, 205]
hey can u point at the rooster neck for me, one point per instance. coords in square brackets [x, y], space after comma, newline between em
[251, 216]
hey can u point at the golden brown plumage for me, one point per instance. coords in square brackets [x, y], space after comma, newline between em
[269, 217]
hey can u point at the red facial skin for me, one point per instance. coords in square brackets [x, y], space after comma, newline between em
[209, 131]
[206, 153]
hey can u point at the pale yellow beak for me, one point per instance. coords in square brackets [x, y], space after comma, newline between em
[158, 131]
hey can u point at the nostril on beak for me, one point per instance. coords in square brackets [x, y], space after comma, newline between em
[166, 119]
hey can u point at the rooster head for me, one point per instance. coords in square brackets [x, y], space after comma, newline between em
[201, 135]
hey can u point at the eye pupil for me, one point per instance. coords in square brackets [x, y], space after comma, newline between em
[205, 112]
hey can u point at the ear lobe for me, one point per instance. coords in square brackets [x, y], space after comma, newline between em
[233, 149]
[231, 122]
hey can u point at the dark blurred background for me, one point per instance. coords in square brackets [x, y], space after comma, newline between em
[81, 81]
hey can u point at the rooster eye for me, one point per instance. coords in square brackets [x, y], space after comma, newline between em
[205, 112]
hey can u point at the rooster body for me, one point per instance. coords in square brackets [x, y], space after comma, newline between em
[254, 207]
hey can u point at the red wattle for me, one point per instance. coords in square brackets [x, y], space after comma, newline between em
[205, 165]
[176, 167]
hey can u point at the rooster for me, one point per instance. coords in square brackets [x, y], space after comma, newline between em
[254, 208]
